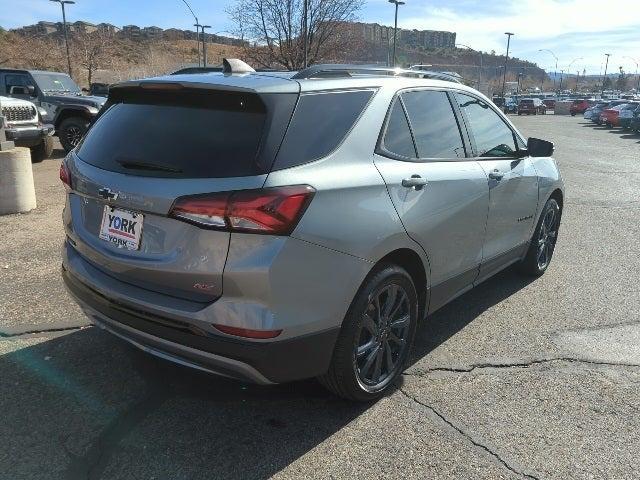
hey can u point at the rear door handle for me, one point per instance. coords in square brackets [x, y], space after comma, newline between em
[416, 181]
[496, 175]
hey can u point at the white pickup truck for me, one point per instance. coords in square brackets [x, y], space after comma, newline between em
[23, 124]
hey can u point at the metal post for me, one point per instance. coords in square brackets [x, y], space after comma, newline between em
[197, 24]
[397, 3]
[506, 62]
[561, 74]
[605, 72]
[64, 29]
[204, 45]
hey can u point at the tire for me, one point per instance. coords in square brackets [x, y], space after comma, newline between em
[42, 151]
[531, 264]
[71, 131]
[347, 376]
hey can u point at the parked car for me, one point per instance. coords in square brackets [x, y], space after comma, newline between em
[269, 244]
[579, 106]
[550, 103]
[60, 98]
[626, 113]
[531, 106]
[610, 116]
[511, 106]
[593, 112]
[635, 121]
[23, 125]
[597, 112]
[99, 89]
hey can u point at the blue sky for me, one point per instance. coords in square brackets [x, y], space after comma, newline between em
[570, 28]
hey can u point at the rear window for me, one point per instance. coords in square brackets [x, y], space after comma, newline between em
[319, 124]
[181, 135]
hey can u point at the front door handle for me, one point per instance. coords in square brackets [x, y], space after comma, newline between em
[416, 181]
[496, 175]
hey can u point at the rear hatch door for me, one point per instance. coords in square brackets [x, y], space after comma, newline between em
[151, 146]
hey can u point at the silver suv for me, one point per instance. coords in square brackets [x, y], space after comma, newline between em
[279, 226]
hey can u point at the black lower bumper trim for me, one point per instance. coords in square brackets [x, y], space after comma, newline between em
[279, 361]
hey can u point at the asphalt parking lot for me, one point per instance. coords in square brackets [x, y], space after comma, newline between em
[517, 378]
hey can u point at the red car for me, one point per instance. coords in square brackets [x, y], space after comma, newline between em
[579, 106]
[609, 116]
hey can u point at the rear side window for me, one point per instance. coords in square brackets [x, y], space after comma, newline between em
[397, 137]
[319, 124]
[493, 138]
[434, 124]
[180, 136]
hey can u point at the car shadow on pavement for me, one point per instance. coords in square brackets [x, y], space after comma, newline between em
[87, 405]
[450, 319]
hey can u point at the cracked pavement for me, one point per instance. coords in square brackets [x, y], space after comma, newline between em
[515, 379]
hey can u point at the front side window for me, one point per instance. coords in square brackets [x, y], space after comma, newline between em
[493, 138]
[16, 80]
[434, 124]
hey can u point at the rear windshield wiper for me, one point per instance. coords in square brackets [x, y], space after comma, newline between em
[133, 165]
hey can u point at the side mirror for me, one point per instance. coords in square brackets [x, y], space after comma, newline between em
[32, 90]
[18, 90]
[539, 148]
[85, 90]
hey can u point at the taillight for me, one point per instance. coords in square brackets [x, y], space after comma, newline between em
[65, 176]
[273, 211]
[247, 332]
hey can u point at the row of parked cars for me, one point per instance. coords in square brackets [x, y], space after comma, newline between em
[615, 113]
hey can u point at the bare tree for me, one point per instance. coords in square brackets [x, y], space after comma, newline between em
[276, 29]
[93, 51]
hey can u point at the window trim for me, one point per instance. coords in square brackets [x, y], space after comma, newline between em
[381, 150]
[472, 140]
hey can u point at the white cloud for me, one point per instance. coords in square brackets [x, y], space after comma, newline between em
[572, 28]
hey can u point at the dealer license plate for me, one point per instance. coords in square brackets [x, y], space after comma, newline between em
[122, 228]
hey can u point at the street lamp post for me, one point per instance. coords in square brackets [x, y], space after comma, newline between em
[506, 62]
[480, 71]
[397, 3]
[204, 44]
[556, 69]
[605, 72]
[561, 75]
[64, 28]
[635, 60]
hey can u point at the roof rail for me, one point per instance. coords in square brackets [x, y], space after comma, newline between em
[345, 70]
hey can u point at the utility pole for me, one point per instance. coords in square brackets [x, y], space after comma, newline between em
[64, 28]
[561, 74]
[506, 62]
[397, 3]
[555, 72]
[204, 45]
[605, 72]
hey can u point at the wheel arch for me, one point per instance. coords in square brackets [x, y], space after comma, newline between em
[69, 112]
[413, 263]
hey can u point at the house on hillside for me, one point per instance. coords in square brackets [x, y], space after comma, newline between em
[84, 27]
[107, 29]
[152, 32]
[131, 31]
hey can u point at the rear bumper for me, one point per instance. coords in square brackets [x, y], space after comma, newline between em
[258, 362]
[29, 136]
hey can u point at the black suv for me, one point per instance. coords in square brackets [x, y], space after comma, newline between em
[66, 107]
